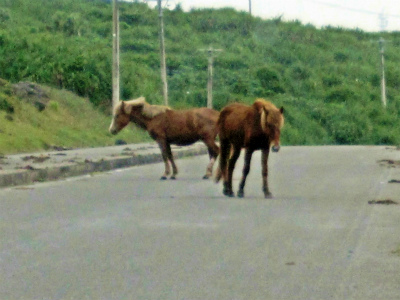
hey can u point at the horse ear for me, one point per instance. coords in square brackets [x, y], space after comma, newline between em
[258, 106]
[126, 108]
[281, 110]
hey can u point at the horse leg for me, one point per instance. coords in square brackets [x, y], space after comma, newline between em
[213, 151]
[223, 160]
[264, 162]
[246, 170]
[171, 159]
[163, 147]
[231, 166]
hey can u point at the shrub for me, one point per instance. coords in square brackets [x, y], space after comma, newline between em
[340, 57]
[4, 15]
[6, 106]
[331, 80]
[299, 72]
[340, 94]
[270, 80]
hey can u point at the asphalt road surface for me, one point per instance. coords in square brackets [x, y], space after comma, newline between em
[127, 235]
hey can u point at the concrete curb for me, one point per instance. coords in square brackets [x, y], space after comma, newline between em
[59, 171]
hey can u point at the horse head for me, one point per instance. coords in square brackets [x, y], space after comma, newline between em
[122, 114]
[272, 121]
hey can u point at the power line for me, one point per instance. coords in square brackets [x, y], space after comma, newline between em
[383, 21]
[165, 5]
[363, 11]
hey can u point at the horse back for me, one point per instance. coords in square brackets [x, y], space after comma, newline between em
[185, 127]
[234, 119]
[240, 124]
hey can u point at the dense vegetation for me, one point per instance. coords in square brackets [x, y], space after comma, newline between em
[328, 79]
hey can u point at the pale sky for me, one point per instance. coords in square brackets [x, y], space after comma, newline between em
[362, 14]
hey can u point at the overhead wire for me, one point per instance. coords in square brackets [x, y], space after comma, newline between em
[359, 10]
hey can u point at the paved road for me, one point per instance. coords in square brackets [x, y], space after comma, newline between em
[127, 235]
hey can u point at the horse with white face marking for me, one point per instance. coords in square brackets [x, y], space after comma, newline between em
[168, 126]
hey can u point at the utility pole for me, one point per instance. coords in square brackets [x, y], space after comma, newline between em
[115, 65]
[383, 81]
[210, 52]
[383, 23]
[162, 53]
[250, 7]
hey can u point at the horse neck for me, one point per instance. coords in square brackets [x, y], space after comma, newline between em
[256, 121]
[139, 120]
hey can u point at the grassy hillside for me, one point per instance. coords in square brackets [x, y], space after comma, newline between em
[34, 118]
[328, 79]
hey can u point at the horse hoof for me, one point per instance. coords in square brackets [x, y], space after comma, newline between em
[173, 177]
[268, 196]
[206, 177]
[240, 194]
[163, 178]
[228, 193]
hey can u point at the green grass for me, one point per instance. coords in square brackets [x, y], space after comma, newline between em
[67, 121]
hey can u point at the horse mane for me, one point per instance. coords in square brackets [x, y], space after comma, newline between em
[148, 110]
[269, 113]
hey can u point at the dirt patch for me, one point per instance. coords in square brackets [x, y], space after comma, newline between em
[394, 181]
[36, 159]
[59, 148]
[384, 202]
[60, 154]
[3, 160]
[390, 163]
[27, 167]
[24, 188]
[128, 152]
[393, 148]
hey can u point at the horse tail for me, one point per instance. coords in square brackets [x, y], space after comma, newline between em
[224, 148]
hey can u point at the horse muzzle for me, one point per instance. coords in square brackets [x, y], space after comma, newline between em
[113, 131]
[275, 148]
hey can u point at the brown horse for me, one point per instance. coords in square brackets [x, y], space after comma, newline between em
[167, 126]
[253, 127]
